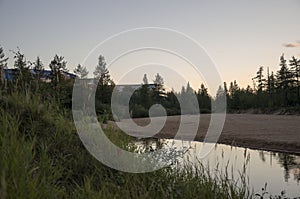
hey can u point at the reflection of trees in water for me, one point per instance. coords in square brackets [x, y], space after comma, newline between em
[287, 162]
[296, 173]
[290, 163]
[262, 156]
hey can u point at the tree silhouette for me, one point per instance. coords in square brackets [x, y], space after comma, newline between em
[159, 90]
[38, 69]
[81, 71]
[295, 67]
[284, 79]
[57, 66]
[270, 88]
[101, 72]
[260, 79]
[104, 87]
[219, 99]
[23, 75]
[145, 93]
[3, 65]
[204, 100]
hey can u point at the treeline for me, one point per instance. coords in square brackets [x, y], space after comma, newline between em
[271, 91]
[30, 77]
[150, 94]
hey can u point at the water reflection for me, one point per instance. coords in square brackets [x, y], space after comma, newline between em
[281, 171]
[290, 164]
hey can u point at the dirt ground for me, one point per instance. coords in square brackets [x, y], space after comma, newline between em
[267, 132]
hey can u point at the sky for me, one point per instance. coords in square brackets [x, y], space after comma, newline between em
[238, 36]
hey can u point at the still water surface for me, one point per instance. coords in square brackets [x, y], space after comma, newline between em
[281, 171]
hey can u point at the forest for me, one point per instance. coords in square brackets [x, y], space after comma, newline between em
[271, 92]
[41, 156]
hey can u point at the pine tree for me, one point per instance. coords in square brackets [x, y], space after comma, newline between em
[260, 79]
[101, 72]
[159, 90]
[225, 88]
[145, 93]
[3, 65]
[188, 105]
[38, 69]
[81, 71]
[204, 99]
[218, 105]
[23, 75]
[189, 89]
[105, 83]
[268, 82]
[145, 80]
[270, 88]
[295, 69]
[58, 66]
[234, 100]
[284, 80]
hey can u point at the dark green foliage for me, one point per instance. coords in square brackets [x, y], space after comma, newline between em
[204, 100]
[101, 72]
[105, 86]
[23, 75]
[3, 65]
[260, 79]
[159, 90]
[277, 92]
[57, 66]
[295, 68]
[271, 92]
[41, 156]
[38, 69]
[81, 71]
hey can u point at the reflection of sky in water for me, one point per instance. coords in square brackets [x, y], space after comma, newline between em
[280, 171]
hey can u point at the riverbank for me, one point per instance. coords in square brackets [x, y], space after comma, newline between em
[257, 131]
[42, 156]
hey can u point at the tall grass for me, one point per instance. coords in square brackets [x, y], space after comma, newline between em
[41, 156]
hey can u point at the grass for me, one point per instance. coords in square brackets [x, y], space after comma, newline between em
[41, 156]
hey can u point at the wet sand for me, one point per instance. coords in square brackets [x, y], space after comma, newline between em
[267, 132]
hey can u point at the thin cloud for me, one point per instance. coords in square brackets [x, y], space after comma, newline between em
[292, 45]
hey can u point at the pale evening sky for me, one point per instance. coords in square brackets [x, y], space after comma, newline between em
[239, 36]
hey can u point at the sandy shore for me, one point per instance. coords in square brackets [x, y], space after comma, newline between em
[267, 132]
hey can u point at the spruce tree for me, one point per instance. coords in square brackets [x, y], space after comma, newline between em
[23, 75]
[105, 84]
[101, 72]
[81, 71]
[57, 66]
[159, 90]
[3, 65]
[38, 69]
[284, 80]
[260, 79]
[295, 69]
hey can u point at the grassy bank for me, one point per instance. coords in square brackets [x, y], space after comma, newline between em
[41, 156]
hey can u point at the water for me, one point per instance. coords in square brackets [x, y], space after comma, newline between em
[281, 171]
